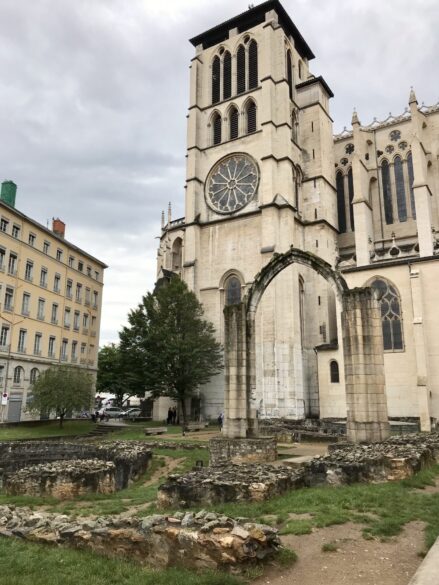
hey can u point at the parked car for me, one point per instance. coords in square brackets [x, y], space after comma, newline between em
[132, 412]
[112, 412]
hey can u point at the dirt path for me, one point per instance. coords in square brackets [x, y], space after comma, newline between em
[356, 562]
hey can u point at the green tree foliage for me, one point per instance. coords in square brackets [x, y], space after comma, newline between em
[170, 344]
[117, 374]
[61, 389]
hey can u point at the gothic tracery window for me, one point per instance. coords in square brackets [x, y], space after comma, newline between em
[233, 291]
[391, 317]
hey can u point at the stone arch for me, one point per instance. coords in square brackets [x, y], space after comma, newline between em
[362, 349]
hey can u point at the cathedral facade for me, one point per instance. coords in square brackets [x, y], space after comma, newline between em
[265, 173]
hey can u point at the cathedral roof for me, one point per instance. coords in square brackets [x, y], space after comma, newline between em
[249, 19]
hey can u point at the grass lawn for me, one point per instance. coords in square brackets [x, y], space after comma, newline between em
[23, 563]
[47, 429]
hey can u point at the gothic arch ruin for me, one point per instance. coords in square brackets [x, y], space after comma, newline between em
[362, 349]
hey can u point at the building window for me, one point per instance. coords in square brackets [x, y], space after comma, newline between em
[233, 291]
[79, 292]
[29, 271]
[240, 69]
[34, 373]
[253, 64]
[9, 299]
[216, 79]
[400, 189]
[251, 116]
[76, 318]
[21, 346]
[18, 375]
[4, 224]
[227, 75]
[56, 283]
[25, 304]
[46, 247]
[334, 372]
[4, 332]
[339, 181]
[411, 179]
[37, 345]
[51, 350]
[71, 261]
[64, 350]
[59, 255]
[31, 240]
[351, 198]
[387, 192]
[41, 307]
[67, 317]
[43, 278]
[69, 286]
[12, 265]
[391, 318]
[15, 231]
[290, 74]
[216, 128]
[54, 314]
[233, 123]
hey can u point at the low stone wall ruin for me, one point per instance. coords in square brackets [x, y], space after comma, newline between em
[204, 540]
[65, 469]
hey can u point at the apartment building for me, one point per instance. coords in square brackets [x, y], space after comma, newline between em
[50, 303]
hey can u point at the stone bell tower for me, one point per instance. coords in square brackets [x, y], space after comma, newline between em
[260, 179]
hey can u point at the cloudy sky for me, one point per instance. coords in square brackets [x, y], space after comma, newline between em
[93, 98]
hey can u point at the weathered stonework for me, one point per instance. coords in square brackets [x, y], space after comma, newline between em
[258, 450]
[203, 540]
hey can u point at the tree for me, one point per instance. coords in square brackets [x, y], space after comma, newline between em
[117, 374]
[170, 344]
[61, 389]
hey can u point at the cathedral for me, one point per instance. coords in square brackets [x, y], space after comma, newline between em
[265, 173]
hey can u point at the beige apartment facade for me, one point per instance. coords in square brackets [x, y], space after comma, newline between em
[50, 303]
[265, 173]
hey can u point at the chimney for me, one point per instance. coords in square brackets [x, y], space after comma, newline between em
[8, 192]
[58, 227]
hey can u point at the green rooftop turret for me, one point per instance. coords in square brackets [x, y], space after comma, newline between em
[8, 192]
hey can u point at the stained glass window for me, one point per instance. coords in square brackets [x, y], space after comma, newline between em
[391, 317]
[400, 189]
[227, 75]
[411, 179]
[351, 198]
[233, 291]
[216, 66]
[341, 203]
[387, 192]
[240, 69]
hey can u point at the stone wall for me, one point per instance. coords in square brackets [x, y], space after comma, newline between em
[223, 450]
[128, 459]
[204, 540]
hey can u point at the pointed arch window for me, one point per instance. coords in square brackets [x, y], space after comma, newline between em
[351, 198]
[290, 74]
[253, 64]
[391, 318]
[216, 129]
[233, 123]
[411, 179]
[387, 192]
[334, 372]
[251, 117]
[339, 180]
[400, 189]
[216, 78]
[233, 291]
[227, 75]
[240, 70]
